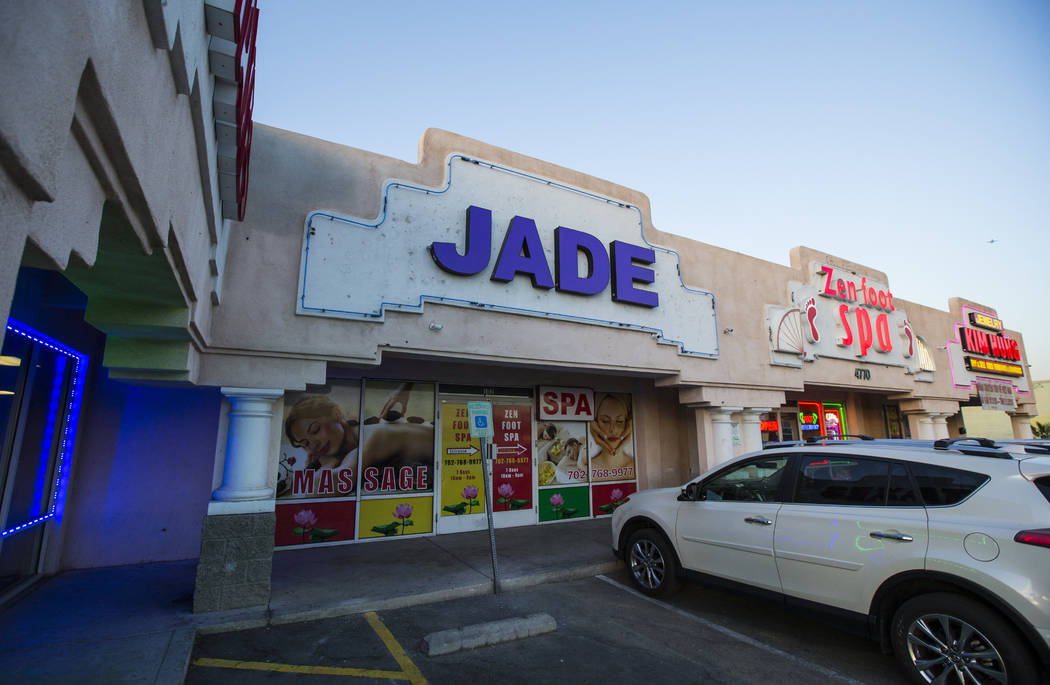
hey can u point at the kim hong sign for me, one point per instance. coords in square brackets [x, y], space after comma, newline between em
[497, 239]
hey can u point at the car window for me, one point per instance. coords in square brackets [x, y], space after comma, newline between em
[1044, 486]
[941, 485]
[753, 481]
[902, 493]
[833, 479]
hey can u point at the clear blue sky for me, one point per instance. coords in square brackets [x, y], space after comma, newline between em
[904, 136]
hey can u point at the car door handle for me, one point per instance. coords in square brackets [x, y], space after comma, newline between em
[892, 536]
[759, 519]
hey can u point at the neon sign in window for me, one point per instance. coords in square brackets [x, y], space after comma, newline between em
[63, 416]
[809, 414]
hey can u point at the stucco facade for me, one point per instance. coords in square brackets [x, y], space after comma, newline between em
[351, 270]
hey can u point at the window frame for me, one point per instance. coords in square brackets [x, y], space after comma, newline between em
[889, 462]
[698, 486]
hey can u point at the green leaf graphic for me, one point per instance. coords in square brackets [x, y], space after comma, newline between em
[319, 534]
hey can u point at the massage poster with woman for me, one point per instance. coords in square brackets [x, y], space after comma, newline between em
[317, 467]
[611, 438]
[583, 439]
[333, 449]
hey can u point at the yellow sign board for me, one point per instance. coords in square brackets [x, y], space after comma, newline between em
[462, 475]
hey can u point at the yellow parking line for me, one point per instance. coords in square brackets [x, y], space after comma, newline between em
[296, 668]
[409, 671]
[414, 675]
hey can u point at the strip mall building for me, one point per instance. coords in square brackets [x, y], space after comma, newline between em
[224, 340]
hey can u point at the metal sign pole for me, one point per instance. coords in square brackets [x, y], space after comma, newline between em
[486, 456]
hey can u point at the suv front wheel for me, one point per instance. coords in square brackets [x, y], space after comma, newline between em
[652, 563]
[944, 637]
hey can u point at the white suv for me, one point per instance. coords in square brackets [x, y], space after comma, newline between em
[943, 549]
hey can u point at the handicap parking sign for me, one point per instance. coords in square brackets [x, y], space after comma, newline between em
[480, 415]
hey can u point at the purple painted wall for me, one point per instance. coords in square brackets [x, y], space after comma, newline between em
[142, 479]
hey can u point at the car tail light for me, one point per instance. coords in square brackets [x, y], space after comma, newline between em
[1039, 537]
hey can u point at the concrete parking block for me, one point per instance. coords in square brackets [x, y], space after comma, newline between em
[490, 633]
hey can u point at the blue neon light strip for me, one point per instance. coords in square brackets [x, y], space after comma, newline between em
[65, 454]
[659, 333]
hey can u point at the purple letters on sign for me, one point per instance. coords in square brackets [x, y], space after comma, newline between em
[625, 272]
[522, 252]
[477, 250]
[568, 243]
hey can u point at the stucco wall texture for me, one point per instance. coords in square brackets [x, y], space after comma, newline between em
[293, 175]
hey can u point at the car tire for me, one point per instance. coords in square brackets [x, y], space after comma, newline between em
[652, 564]
[925, 634]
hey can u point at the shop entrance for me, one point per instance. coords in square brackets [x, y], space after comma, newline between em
[511, 482]
[40, 383]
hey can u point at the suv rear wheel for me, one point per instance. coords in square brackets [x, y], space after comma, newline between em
[652, 564]
[944, 637]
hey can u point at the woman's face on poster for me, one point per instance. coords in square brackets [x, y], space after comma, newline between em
[612, 417]
[321, 437]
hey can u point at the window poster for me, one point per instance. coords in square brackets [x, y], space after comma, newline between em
[611, 438]
[310, 522]
[561, 451]
[393, 516]
[559, 504]
[512, 457]
[462, 474]
[318, 452]
[397, 438]
[606, 498]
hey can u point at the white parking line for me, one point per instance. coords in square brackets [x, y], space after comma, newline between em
[826, 672]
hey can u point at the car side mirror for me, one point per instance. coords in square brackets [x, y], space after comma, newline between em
[691, 493]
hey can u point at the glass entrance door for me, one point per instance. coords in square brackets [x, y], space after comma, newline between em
[462, 485]
[37, 378]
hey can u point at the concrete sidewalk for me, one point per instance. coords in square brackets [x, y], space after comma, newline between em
[135, 623]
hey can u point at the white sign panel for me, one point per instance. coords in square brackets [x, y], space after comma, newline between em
[495, 238]
[996, 395]
[567, 404]
[845, 315]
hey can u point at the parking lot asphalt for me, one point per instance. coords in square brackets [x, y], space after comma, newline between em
[606, 633]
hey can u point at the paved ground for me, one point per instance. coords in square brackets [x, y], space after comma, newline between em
[606, 634]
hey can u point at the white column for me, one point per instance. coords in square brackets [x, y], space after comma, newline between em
[1022, 426]
[247, 445]
[924, 424]
[722, 433]
[700, 459]
[751, 428]
[940, 426]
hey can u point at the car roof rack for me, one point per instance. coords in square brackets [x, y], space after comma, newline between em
[983, 448]
[821, 438]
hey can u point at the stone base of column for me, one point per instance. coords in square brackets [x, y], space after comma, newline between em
[235, 564]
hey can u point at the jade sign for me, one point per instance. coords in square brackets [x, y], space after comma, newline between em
[493, 238]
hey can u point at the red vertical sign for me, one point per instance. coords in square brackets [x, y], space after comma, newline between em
[512, 463]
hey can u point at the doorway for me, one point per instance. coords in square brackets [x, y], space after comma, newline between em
[462, 485]
[40, 385]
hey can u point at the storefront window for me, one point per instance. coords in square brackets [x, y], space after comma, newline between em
[362, 459]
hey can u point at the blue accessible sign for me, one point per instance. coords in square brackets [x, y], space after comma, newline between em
[480, 415]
